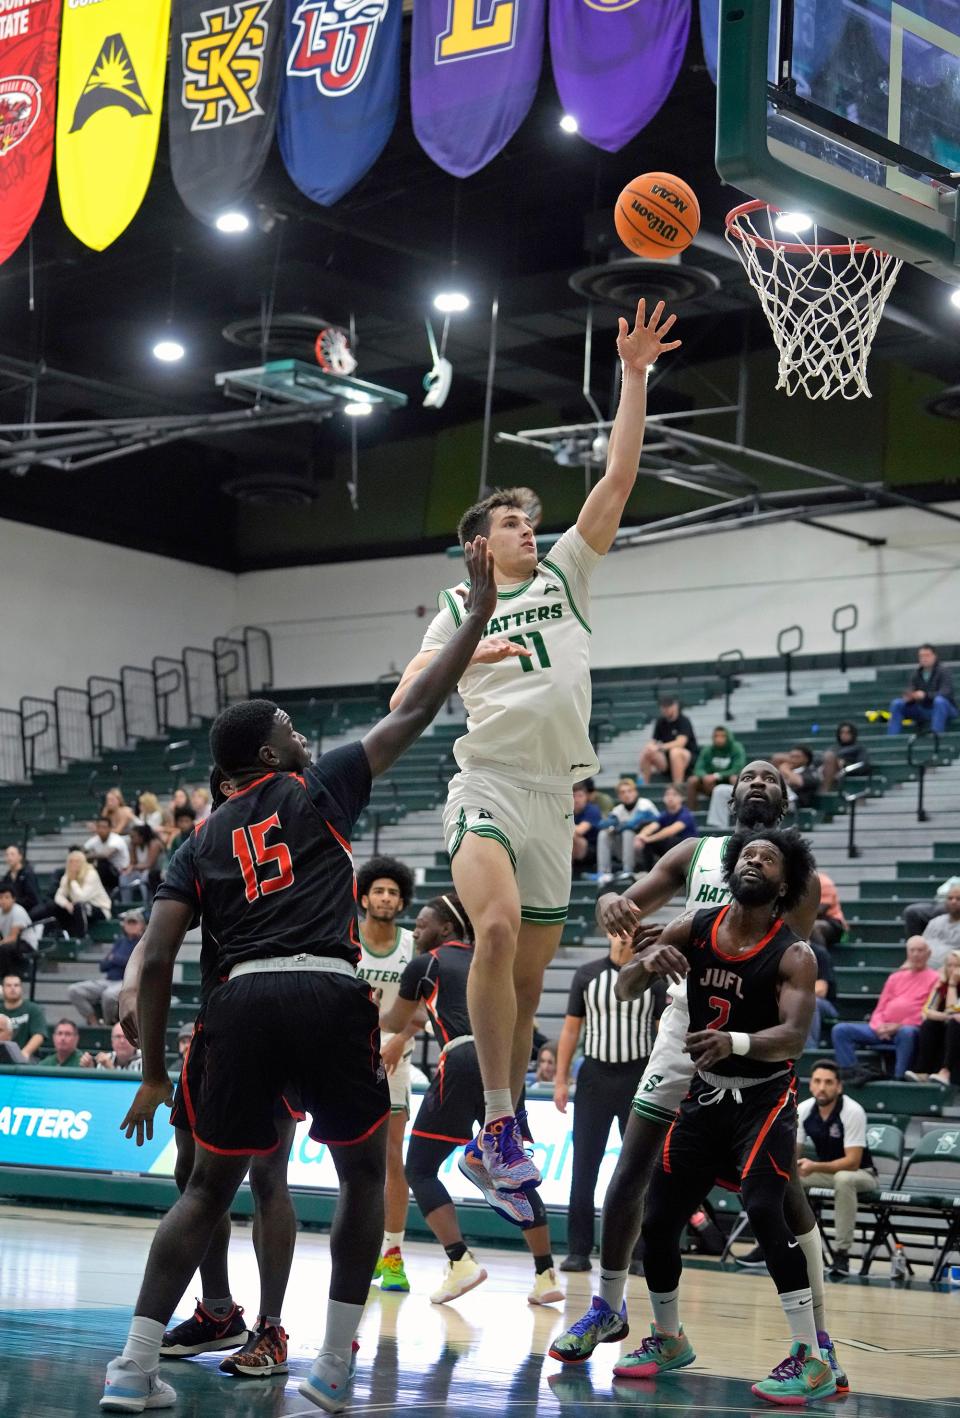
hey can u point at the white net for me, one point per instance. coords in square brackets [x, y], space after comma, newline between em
[822, 302]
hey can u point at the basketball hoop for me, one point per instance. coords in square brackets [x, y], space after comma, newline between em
[822, 302]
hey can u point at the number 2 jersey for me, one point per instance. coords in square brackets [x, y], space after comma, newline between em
[271, 871]
[740, 993]
[529, 716]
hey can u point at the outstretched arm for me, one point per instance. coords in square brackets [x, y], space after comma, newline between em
[664, 957]
[402, 726]
[638, 350]
[798, 976]
[620, 915]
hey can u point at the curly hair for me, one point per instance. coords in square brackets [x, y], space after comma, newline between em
[239, 732]
[390, 868]
[798, 862]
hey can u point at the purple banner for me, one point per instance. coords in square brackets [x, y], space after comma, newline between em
[474, 70]
[615, 61]
[709, 33]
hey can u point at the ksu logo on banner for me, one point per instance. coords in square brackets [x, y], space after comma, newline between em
[19, 110]
[334, 42]
[112, 84]
[223, 64]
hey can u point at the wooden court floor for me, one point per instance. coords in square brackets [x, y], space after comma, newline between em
[68, 1281]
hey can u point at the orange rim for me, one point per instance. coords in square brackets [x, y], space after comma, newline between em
[794, 248]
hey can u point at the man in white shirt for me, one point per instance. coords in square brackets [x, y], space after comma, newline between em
[942, 933]
[18, 934]
[108, 852]
[835, 1126]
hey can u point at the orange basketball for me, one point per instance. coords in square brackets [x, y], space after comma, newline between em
[657, 215]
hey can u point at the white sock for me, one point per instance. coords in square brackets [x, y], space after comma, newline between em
[666, 1311]
[497, 1103]
[343, 1321]
[611, 1288]
[798, 1308]
[143, 1343]
[392, 1241]
[812, 1248]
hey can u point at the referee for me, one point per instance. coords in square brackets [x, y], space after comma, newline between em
[617, 1043]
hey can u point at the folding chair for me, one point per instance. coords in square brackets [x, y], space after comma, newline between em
[927, 1188]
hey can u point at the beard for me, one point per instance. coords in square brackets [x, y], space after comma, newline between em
[757, 812]
[755, 891]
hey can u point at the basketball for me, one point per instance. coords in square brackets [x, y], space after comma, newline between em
[657, 215]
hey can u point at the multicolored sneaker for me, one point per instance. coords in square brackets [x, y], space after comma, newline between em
[797, 1380]
[600, 1325]
[391, 1271]
[127, 1389]
[328, 1382]
[203, 1332]
[508, 1165]
[546, 1289]
[459, 1276]
[658, 1354]
[512, 1206]
[828, 1352]
[263, 1355]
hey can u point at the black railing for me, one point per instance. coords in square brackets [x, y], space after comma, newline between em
[177, 756]
[203, 697]
[915, 742]
[38, 728]
[233, 677]
[788, 651]
[26, 814]
[140, 701]
[259, 651]
[170, 692]
[108, 725]
[728, 665]
[12, 764]
[74, 729]
[843, 630]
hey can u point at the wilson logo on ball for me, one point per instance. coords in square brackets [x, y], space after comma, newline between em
[657, 215]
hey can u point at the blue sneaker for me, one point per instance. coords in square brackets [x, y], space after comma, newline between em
[829, 1352]
[127, 1389]
[328, 1382]
[508, 1164]
[600, 1325]
[512, 1206]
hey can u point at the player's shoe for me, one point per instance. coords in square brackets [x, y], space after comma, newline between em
[505, 1157]
[828, 1351]
[391, 1271]
[127, 1389]
[459, 1276]
[658, 1354]
[329, 1380]
[512, 1206]
[600, 1325]
[546, 1289]
[264, 1354]
[797, 1380]
[204, 1332]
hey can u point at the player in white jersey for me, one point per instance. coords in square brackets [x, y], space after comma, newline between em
[384, 886]
[759, 800]
[508, 819]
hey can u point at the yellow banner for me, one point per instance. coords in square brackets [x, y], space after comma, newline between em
[113, 60]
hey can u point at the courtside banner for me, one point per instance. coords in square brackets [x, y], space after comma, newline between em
[340, 91]
[615, 61]
[113, 61]
[222, 99]
[29, 35]
[474, 69]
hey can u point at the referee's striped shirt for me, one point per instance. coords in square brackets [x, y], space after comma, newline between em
[615, 1031]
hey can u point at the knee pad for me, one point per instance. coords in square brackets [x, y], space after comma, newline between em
[428, 1192]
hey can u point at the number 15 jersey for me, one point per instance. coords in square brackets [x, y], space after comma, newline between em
[271, 871]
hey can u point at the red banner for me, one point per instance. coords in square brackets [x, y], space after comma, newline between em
[29, 37]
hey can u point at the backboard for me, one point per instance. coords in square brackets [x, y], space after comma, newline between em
[847, 110]
[292, 381]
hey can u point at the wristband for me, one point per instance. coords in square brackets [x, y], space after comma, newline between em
[739, 1043]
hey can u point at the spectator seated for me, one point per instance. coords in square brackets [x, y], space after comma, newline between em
[66, 1053]
[719, 761]
[928, 699]
[616, 835]
[96, 1000]
[586, 820]
[894, 1025]
[675, 824]
[80, 898]
[673, 746]
[19, 937]
[938, 1047]
[27, 1019]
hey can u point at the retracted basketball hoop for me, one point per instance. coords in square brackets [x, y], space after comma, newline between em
[823, 302]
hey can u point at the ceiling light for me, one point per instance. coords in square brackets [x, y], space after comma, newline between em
[793, 222]
[358, 410]
[232, 222]
[451, 302]
[169, 351]
[569, 124]
[955, 297]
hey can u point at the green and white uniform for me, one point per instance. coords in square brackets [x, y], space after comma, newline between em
[669, 1070]
[528, 720]
[382, 973]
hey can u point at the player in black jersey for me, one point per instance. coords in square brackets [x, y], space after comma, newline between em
[271, 871]
[453, 1104]
[750, 989]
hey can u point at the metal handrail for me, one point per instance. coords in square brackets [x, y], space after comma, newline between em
[922, 766]
[179, 765]
[844, 630]
[28, 826]
[851, 800]
[728, 662]
[789, 654]
[28, 738]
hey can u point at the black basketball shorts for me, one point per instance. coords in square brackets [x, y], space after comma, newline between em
[728, 1141]
[287, 1106]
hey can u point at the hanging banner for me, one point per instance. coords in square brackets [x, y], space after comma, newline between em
[222, 100]
[29, 35]
[113, 61]
[615, 61]
[474, 70]
[340, 91]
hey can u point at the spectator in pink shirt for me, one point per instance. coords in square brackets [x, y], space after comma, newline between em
[828, 928]
[896, 1019]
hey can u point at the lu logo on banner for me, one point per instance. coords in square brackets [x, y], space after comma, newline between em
[112, 63]
[29, 34]
[474, 70]
[615, 62]
[341, 91]
[222, 103]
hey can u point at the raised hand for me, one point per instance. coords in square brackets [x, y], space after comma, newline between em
[482, 595]
[640, 347]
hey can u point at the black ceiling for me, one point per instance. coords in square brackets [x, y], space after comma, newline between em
[523, 224]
